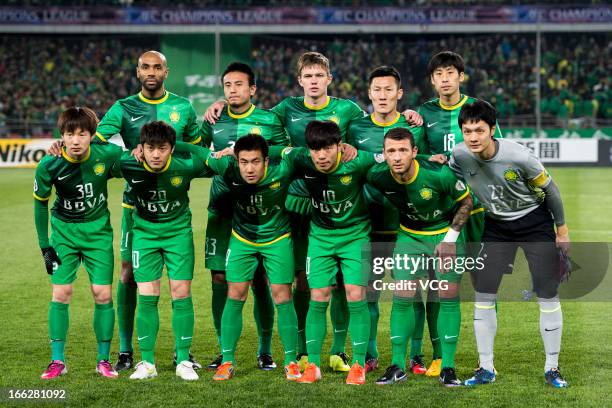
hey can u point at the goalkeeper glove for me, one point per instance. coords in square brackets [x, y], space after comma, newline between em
[51, 259]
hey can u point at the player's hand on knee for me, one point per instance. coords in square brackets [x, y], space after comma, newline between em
[214, 112]
[438, 158]
[413, 117]
[55, 149]
[348, 152]
[51, 259]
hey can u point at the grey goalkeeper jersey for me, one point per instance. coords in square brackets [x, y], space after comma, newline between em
[509, 184]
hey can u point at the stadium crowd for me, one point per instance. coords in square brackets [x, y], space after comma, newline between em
[94, 71]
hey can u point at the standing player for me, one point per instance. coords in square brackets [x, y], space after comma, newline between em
[367, 133]
[442, 133]
[523, 206]
[433, 206]
[162, 236]
[240, 117]
[80, 232]
[314, 76]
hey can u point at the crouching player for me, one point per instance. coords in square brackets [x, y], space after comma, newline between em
[80, 231]
[260, 231]
[433, 206]
[162, 235]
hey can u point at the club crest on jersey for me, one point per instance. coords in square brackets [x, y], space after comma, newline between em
[511, 175]
[176, 181]
[459, 185]
[379, 158]
[334, 119]
[255, 130]
[175, 116]
[426, 193]
[346, 180]
[275, 186]
[99, 169]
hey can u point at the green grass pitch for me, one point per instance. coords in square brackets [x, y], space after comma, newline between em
[24, 351]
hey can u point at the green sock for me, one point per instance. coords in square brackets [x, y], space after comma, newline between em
[402, 327]
[219, 296]
[182, 324]
[287, 329]
[59, 320]
[374, 316]
[231, 327]
[126, 307]
[339, 314]
[316, 329]
[359, 325]
[147, 320]
[432, 310]
[301, 300]
[449, 324]
[104, 325]
[416, 341]
[263, 312]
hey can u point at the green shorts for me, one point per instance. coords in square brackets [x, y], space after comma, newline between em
[243, 258]
[419, 250]
[384, 216]
[88, 242]
[127, 221]
[218, 231]
[164, 243]
[344, 248]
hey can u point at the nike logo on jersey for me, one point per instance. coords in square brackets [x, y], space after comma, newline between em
[137, 181]
[389, 192]
[309, 177]
[431, 124]
[235, 184]
[63, 177]
[215, 131]
[294, 119]
[363, 140]
[134, 119]
[472, 173]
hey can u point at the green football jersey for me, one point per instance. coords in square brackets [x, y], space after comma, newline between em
[295, 114]
[427, 201]
[128, 115]
[230, 127]
[368, 134]
[336, 196]
[259, 209]
[441, 125]
[162, 196]
[80, 186]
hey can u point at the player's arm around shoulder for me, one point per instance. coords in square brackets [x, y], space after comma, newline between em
[111, 123]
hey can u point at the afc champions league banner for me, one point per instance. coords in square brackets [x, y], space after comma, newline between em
[306, 15]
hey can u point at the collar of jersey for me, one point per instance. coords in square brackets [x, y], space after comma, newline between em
[330, 171]
[316, 108]
[385, 124]
[414, 176]
[154, 101]
[150, 170]
[242, 115]
[459, 104]
[71, 160]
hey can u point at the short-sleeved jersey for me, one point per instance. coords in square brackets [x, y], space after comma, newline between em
[259, 209]
[162, 196]
[127, 116]
[80, 186]
[441, 125]
[427, 201]
[336, 196]
[507, 185]
[368, 134]
[295, 114]
[230, 127]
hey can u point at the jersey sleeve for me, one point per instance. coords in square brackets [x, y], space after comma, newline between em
[419, 139]
[219, 166]
[351, 133]
[42, 183]
[111, 123]
[192, 130]
[42, 193]
[206, 133]
[424, 139]
[535, 173]
[115, 153]
[278, 138]
[280, 110]
[453, 164]
[451, 185]
[365, 160]
[354, 111]
[201, 153]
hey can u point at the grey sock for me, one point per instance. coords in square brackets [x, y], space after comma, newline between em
[485, 328]
[551, 328]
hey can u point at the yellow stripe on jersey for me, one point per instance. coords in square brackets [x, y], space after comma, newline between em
[467, 191]
[102, 138]
[385, 124]
[477, 210]
[240, 115]
[436, 232]
[316, 108]
[39, 198]
[128, 206]
[71, 160]
[459, 104]
[153, 101]
[197, 140]
[540, 180]
[246, 241]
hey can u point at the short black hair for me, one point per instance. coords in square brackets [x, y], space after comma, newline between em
[157, 132]
[251, 142]
[386, 71]
[240, 67]
[477, 111]
[77, 118]
[399, 134]
[445, 59]
[322, 133]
